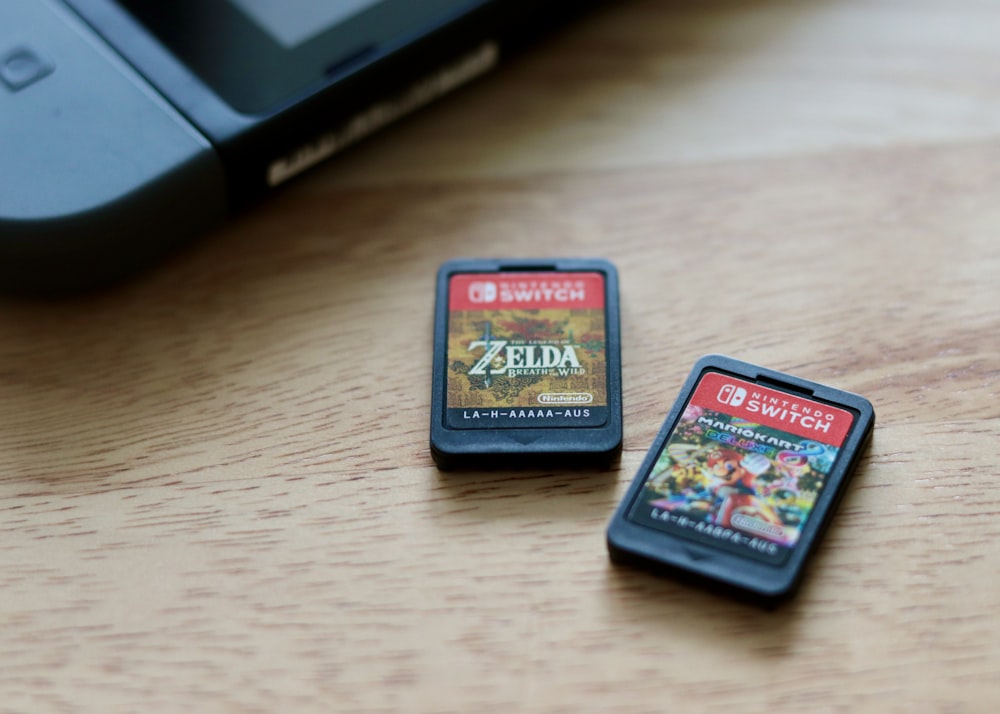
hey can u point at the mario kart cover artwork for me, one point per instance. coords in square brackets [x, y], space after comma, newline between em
[742, 468]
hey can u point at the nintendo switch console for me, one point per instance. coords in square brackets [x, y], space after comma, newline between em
[130, 126]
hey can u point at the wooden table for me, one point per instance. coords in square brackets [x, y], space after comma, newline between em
[215, 485]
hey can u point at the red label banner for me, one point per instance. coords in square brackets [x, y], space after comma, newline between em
[525, 291]
[791, 413]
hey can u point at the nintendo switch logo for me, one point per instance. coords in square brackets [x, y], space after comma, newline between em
[732, 395]
[482, 292]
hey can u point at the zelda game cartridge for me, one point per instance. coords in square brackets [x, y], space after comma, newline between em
[527, 366]
[742, 479]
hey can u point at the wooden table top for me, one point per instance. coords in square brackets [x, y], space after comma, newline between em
[215, 484]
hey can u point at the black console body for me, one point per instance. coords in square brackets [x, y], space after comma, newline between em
[130, 126]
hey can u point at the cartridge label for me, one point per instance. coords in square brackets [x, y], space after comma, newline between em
[743, 467]
[526, 350]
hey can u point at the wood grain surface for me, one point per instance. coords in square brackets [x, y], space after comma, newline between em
[215, 485]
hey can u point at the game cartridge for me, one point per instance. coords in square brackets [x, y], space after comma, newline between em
[527, 366]
[742, 479]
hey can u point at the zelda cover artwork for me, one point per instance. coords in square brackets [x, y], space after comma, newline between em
[742, 468]
[526, 350]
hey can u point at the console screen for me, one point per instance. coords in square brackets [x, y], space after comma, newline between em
[292, 22]
[261, 54]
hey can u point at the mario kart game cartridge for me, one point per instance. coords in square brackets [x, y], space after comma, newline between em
[527, 366]
[742, 479]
